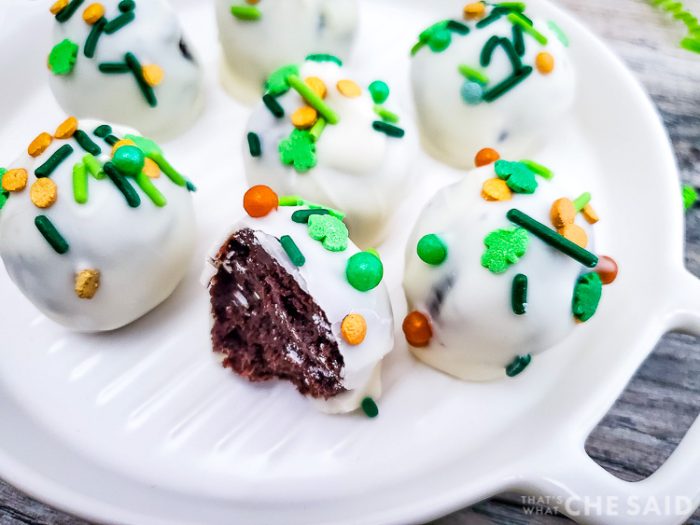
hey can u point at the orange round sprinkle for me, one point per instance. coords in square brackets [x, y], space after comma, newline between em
[562, 213]
[606, 269]
[87, 283]
[348, 88]
[252, 2]
[67, 128]
[575, 234]
[544, 63]
[15, 180]
[353, 329]
[304, 117]
[496, 190]
[151, 169]
[417, 329]
[58, 6]
[590, 214]
[317, 85]
[43, 193]
[39, 144]
[120, 143]
[485, 157]
[93, 13]
[260, 200]
[474, 11]
[152, 74]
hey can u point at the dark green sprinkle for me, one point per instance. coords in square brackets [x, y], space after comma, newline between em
[127, 5]
[292, 250]
[254, 144]
[51, 234]
[552, 238]
[389, 129]
[123, 185]
[67, 12]
[102, 131]
[116, 24]
[48, 167]
[113, 67]
[274, 106]
[190, 186]
[519, 294]
[302, 216]
[508, 84]
[495, 14]
[369, 407]
[324, 57]
[4, 195]
[487, 51]
[379, 91]
[458, 27]
[136, 69]
[518, 40]
[85, 142]
[518, 365]
[587, 294]
[111, 140]
[94, 37]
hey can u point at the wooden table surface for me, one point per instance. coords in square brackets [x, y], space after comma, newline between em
[651, 417]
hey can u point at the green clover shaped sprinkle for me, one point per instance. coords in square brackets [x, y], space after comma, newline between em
[587, 294]
[690, 197]
[62, 57]
[299, 151]
[517, 175]
[330, 231]
[504, 248]
[277, 83]
[364, 271]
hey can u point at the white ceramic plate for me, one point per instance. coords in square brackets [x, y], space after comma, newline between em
[141, 426]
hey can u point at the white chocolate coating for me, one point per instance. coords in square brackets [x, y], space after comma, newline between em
[154, 37]
[287, 32]
[323, 277]
[359, 170]
[476, 334]
[515, 124]
[141, 253]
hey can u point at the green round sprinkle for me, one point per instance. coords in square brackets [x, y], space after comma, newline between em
[102, 131]
[587, 294]
[247, 13]
[303, 216]
[432, 249]
[364, 271]
[518, 365]
[369, 407]
[519, 294]
[690, 197]
[325, 57]
[254, 146]
[330, 231]
[299, 151]
[292, 250]
[127, 5]
[129, 160]
[62, 57]
[389, 129]
[51, 234]
[504, 248]
[472, 93]
[379, 91]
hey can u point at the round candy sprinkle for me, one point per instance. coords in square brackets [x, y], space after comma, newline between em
[15, 180]
[496, 190]
[348, 88]
[485, 157]
[152, 74]
[353, 329]
[416, 327]
[379, 91]
[93, 13]
[58, 6]
[563, 212]
[364, 271]
[432, 249]
[39, 144]
[120, 143]
[474, 11]
[43, 192]
[317, 86]
[606, 269]
[87, 283]
[575, 234]
[544, 63]
[304, 117]
[129, 160]
[369, 407]
[472, 93]
[260, 200]
[67, 128]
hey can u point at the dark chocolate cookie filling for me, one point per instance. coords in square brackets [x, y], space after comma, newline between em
[266, 325]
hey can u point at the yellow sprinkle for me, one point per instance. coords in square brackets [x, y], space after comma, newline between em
[39, 144]
[15, 180]
[562, 213]
[252, 2]
[575, 234]
[58, 6]
[93, 13]
[496, 190]
[43, 193]
[86, 283]
[67, 128]
[317, 86]
[151, 169]
[474, 11]
[304, 117]
[153, 74]
[544, 62]
[120, 143]
[353, 329]
[348, 88]
[590, 214]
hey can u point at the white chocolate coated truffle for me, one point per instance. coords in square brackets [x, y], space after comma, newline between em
[154, 38]
[458, 115]
[138, 254]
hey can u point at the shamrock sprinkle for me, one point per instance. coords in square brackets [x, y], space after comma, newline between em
[330, 231]
[299, 151]
[517, 175]
[277, 83]
[587, 293]
[62, 57]
[504, 248]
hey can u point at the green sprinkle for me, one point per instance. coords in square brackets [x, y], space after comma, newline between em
[80, 183]
[495, 15]
[504, 248]
[325, 57]
[473, 74]
[4, 195]
[85, 142]
[538, 169]
[519, 294]
[63, 56]
[277, 84]
[127, 5]
[254, 146]
[330, 231]
[516, 18]
[519, 40]
[129, 160]
[48, 167]
[144, 182]
[432, 249]
[690, 196]
[386, 115]
[136, 69]
[148, 146]
[166, 168]
[369, 407]
[380, 91]
[190, 186]
[518, 176]
[111, 140]
[691, 44]
[292, 250]
[123, 185]
[102, 131]
[508, 84]
[113, 67]
[302, 216]
[291, 200]
[94, 37]
[335, 213]
[517, 6]
[247, 13]
[518, 365]
[299, 151]
[274, 106]
[67, 12]
[116, 24]
[364, 271]
[94, 166]
[51, 234]
[317, 129]
[581, 201]
[488, 49]
[313, 99]
[552, 238]
[587, 294]
[388, 129]
[559, 33]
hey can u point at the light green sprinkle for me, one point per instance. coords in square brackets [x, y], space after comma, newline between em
[144, 182]
[473, 74]
[539, 169]
[581, 202]
[559, 33]
[517, 19]
[690, 197]
[94, 166]
[166, 168]
[386, 115]
[80, 183]
[291, 200]
[249, 13]
[317, 129]
[313, 99]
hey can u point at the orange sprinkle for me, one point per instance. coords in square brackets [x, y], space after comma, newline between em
[151, 169]
[348, 88]
[58, 6]
[417, 329]
[304, 117]
[544, 63]
[15, 180]
[43, 193]
[252, 2]
[474, 11]
[607, 269]
[317, 85]
[496, 190]
[485, 157]
[562, 213]
[39, 144]
[590, 214]
[120, 143]
[260, 200]
[353, 329]
[93, 13]
[152, 74]
[67, 128]
[87, 283]
[575, 234]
